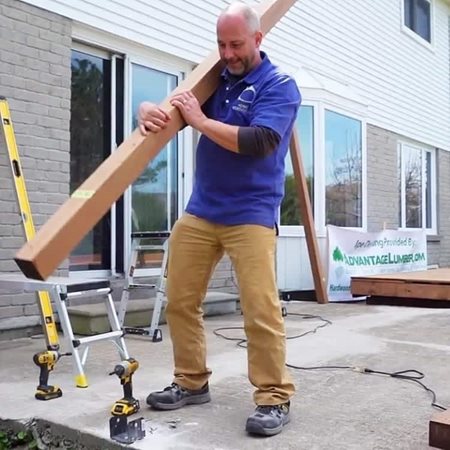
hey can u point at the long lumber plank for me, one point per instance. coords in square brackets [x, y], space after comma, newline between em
[40, 257]
[308, 220]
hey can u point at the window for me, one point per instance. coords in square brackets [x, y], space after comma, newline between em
[155, 192]
[107, 88]
[90, 144]
[417, 17]
[343, 170]
[417, 187]
[290, 213]
[331, 144]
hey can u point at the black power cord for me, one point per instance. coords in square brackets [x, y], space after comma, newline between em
[241, 342]
[325, 323]
[408, 375]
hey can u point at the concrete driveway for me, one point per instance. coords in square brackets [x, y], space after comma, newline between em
[333, 409]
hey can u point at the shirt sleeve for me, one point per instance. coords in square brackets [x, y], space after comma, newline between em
[276, 105]
[257, 141]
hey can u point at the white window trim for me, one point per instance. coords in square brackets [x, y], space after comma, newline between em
[423, 149]
[319, 170]
[113, 230]
[116, 44]
[412, 34]
[90, 50]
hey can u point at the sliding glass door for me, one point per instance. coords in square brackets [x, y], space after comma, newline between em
[107, 89]
[90, 144]
[155, 194]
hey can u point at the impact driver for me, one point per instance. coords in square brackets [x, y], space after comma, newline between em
[46, 361]
[128, 404]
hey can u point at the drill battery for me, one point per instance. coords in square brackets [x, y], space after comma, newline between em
[47, 392]
[125, 407]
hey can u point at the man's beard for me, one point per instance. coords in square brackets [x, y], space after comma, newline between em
[245, 67]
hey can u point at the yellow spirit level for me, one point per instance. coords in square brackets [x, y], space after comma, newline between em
[48, 323]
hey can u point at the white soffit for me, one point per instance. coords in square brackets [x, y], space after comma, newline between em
[319, 87]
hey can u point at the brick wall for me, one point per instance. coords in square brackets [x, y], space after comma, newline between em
[383, 187]
[35, 78]
[382, 179]
[439, 251]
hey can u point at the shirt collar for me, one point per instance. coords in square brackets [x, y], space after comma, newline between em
[254, 74]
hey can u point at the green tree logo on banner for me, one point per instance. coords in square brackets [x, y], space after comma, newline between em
[337, 255]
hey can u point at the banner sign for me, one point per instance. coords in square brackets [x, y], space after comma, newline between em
[355, 253]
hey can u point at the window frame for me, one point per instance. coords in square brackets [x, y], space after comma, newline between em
[99, 52]
[345, 113]
[412, 33]
[433, 186]
[298, 230]
[185, 149]
[85, 37]
[319, 207]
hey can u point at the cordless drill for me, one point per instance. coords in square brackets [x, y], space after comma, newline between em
[128, 404]
[46, 361]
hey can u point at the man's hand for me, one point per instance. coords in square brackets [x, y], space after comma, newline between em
[222, 134]
[151, 118]
[189, 108]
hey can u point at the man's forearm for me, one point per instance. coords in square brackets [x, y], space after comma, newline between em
[222, 134]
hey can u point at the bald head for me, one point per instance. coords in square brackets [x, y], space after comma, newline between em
[239, 37]
[248, 14]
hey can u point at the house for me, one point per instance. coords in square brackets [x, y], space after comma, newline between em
[374, 125]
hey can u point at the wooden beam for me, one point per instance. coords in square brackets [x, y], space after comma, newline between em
[439, 431]
[400, 289]
[308, 220]
[438, 276]
[40, 257]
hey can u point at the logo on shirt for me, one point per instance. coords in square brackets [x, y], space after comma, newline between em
[245, 99]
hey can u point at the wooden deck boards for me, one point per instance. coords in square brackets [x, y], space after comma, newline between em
[433, 284]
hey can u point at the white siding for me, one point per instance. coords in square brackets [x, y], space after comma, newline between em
[293, 263]
[183, 28]
[360, 43]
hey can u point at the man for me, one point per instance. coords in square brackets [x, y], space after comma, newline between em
[245, 131]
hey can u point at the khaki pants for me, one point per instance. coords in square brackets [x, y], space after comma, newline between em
[195, 247]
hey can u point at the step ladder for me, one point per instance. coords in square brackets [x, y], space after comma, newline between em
[58, 290]
[158, 242]
[61, 290]
[88, 288]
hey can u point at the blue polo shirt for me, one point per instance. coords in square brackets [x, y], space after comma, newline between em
[234, 189]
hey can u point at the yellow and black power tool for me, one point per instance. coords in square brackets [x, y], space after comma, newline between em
[128, 404]
[46, 361]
